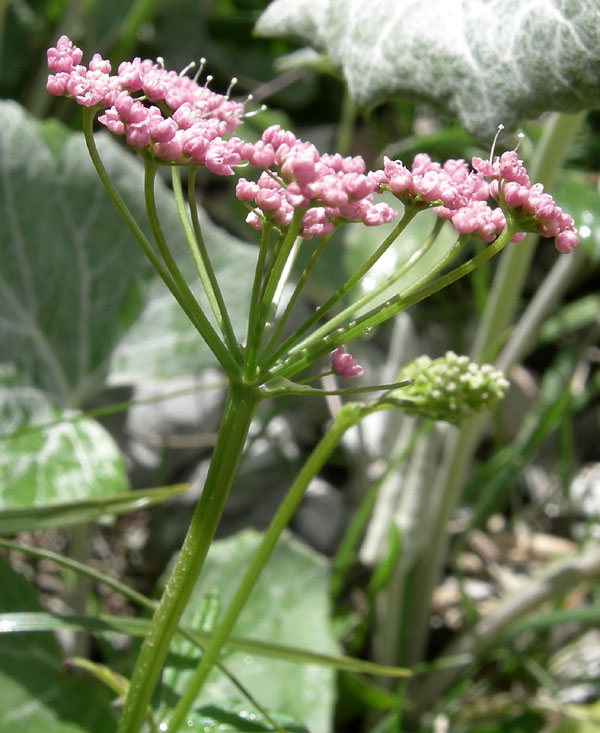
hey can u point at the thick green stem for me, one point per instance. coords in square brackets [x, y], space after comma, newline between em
[500, 310]
[241, 403]
[349, 415]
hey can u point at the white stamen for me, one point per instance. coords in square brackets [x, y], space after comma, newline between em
[262, 108]
[521, 136]
[232, 83]
[500, 128]
[208, 80]
[200, 68]
[189, 67]
[160, 61]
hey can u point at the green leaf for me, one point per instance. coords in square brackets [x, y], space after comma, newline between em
[29, 622]
[67, 461]
[289, 605]
[69, 267]
[161, 343]
[37, 693]
[483, 61]
[65, 514]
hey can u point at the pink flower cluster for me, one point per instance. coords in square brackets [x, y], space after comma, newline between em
[175, 120]
[535, 210]
[453, 190]
[166, 114]
[457, 193]
[329, 187]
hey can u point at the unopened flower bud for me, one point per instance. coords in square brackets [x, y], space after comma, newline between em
[345, 365]
[451, 388]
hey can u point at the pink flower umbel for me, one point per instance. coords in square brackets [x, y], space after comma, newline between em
[171, 118]
[161, 113]
[469, 201]
[534, 210]
[345, 365]
[329, 188]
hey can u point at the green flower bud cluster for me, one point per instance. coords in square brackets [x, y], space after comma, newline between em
[451, 388]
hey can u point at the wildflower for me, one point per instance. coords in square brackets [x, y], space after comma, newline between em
[171, 118]
[345, 365]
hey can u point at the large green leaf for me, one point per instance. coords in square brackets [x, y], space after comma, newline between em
[161, 342]
[485, 61]
[37, 693]
[79, 302]
[70, 274]
[67, 461]
[288, 605]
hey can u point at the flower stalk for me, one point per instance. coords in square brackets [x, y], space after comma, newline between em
[239, 409]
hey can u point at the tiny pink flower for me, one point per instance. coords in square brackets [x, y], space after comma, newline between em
[565, 241]
[345, 365]
[246, 190]
[254, 221]
[268, 200]
[378, 214]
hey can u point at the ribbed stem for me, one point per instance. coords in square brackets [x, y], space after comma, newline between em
[324, 340]
[184, 295]
[241, 403]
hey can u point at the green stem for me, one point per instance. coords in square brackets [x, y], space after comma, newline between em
[349, 415]
[270, 285]
[408, 216]
[95, 576]
[240, 407]
[361, 303]
[297, 291]
[259, 272]
[323, 340]
[200, 256]
[140, 12]
[345, 130]
[184, 295]
[88, 130]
